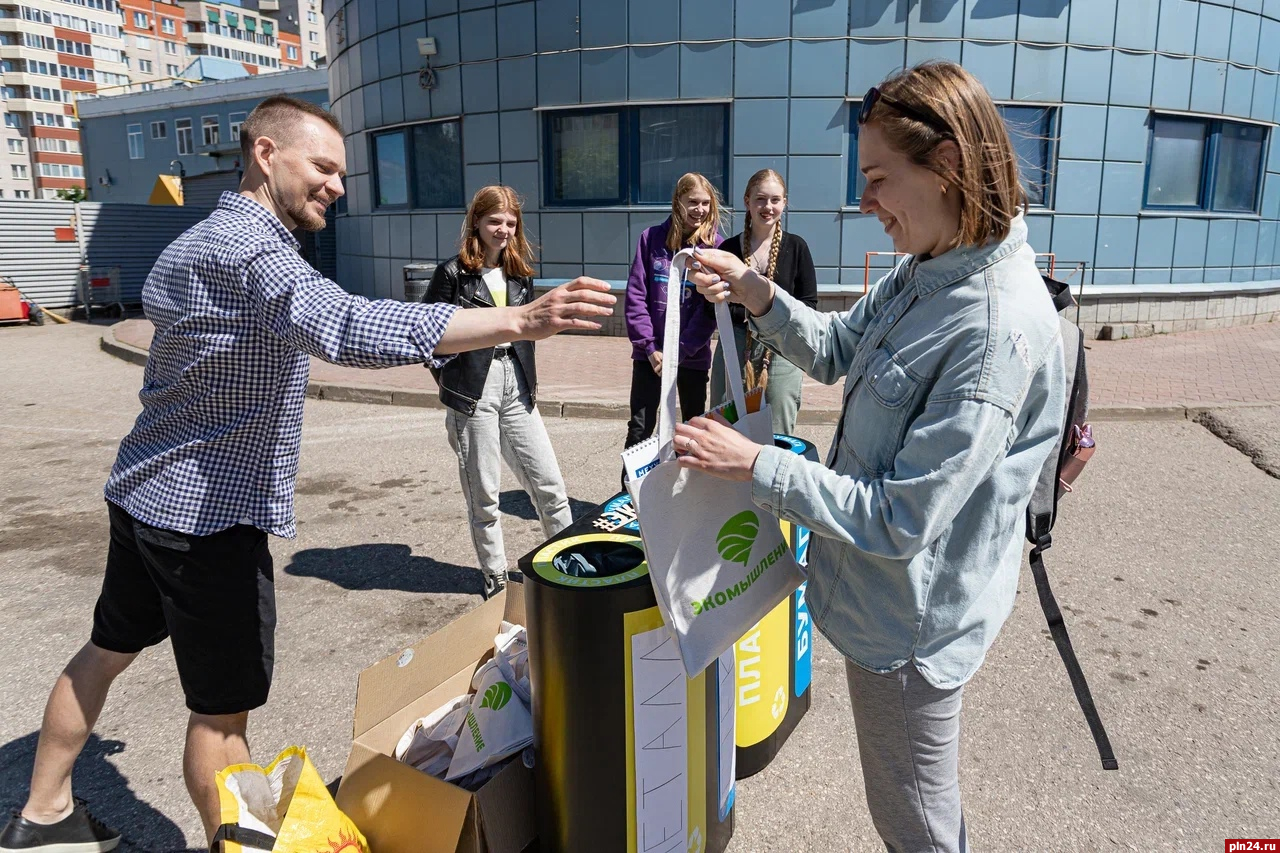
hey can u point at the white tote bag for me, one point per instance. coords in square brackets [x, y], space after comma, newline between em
[717, 561]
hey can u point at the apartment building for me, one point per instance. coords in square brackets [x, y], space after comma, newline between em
[51, 52]
[302, 28]
[236, 31]
[155, 41]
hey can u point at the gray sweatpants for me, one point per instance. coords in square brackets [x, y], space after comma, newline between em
[909, 742]
[507, 426]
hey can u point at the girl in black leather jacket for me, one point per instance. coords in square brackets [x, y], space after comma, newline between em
[490, 393]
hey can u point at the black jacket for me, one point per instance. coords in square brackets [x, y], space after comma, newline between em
[794, 274]
[462, 380]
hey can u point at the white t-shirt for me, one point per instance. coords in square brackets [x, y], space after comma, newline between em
[496, 279]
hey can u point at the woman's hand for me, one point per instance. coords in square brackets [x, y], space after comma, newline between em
[721, 276]
[655, 361]
[715, 448]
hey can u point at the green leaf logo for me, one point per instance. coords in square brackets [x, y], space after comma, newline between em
[735, 539]
[497, 696]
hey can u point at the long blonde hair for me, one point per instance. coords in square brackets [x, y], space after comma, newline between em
[517, 258]
[756, 180]
[705, 233]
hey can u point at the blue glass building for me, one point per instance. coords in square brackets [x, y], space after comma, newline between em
[1144, 127]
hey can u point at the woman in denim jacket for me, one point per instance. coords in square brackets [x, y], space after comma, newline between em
[954, 396]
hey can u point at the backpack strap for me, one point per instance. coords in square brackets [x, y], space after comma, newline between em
[1058, 629]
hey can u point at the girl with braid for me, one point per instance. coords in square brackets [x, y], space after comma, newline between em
[783, 258]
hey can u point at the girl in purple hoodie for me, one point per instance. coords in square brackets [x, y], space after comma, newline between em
[694, 221]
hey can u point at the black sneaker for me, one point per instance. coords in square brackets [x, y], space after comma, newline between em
[493, 584]
[78, 832]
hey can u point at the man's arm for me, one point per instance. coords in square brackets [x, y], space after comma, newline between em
[314, 314]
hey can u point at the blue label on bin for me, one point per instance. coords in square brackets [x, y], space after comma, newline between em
[804, 642]
[802, 545]
[797, 446]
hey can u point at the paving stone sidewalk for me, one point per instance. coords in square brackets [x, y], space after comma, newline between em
[1165, 376]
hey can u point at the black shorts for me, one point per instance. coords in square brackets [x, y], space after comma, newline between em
[212, 596]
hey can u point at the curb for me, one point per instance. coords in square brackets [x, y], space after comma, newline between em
[121, 350]
[383, 396]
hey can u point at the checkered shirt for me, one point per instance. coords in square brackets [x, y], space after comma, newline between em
[237, 312]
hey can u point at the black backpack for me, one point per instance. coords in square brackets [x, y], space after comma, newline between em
[1074, 447]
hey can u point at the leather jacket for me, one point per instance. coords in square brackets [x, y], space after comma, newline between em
[462, 379]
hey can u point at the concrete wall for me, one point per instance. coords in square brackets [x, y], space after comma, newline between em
[788, 70]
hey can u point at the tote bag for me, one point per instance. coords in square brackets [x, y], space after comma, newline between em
[717, 561]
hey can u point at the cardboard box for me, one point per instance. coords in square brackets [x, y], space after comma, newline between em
[402, 810]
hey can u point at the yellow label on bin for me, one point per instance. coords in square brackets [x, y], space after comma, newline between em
[762, 657]
[666, 740]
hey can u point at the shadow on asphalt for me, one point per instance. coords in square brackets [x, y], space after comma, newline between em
[383, 566]
[102, 786]
[516, 503]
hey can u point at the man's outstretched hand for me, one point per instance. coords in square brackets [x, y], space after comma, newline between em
[569, 306]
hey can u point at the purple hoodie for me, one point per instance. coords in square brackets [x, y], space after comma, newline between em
[646, 304]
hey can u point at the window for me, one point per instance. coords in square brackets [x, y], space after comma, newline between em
[168, 26]
[140, 21]
[171, 48]
[22, 193]
[233, 126]
[172, 70]
[182, 130]
[1205, 164]
[60, 170]
[1, 193]
[13, 120]
[313, 36]
[312, 18]
[1031, 129]
[142, 42]
[292, 52]
[144, 65]
[209, 130]
[17, 146]
[315, 56]
[19, 172]
[419, 166]
[135, 141]
[633, 155]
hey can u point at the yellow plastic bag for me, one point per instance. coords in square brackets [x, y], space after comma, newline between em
[284, 807]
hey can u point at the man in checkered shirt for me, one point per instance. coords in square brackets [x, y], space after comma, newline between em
[209, 468]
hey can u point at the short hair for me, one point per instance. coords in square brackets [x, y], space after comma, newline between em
[987, 176]
[276, 117]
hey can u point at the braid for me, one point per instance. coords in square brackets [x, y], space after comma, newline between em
[773, 251]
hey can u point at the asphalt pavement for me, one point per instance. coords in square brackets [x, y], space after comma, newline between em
[1162, 560]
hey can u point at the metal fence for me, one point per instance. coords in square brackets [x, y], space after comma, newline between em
[40, 251]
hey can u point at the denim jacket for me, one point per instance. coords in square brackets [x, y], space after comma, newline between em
[953, 398]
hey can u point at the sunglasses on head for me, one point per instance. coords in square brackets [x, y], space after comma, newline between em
[875, 96]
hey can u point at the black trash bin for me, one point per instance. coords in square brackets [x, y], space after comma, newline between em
[627, 747]
[416, 278]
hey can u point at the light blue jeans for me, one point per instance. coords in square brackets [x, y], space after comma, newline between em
[505, 426]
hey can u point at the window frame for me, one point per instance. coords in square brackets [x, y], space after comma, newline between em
[1208, 165]
[628, 152]
[233, 125]
[411, 166]
[205, 127]
[133, 134]
[190, 137]
[1052, 139]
